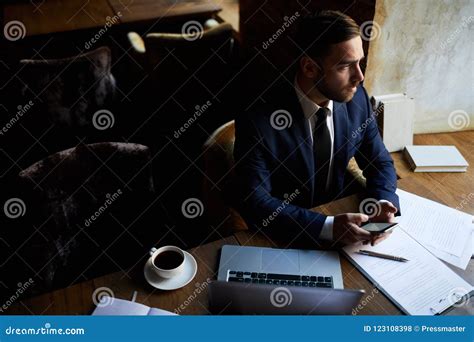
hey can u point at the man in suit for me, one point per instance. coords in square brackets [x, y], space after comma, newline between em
[292, 152]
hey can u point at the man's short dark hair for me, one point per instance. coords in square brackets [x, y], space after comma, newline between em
[317, 32]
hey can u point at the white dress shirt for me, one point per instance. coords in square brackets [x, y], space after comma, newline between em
[309, 110]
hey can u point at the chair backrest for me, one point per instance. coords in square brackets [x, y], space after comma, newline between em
[70, 90]
[219, 186]
[86, 213]
[59, 99]
[209, 50]
[187, 71]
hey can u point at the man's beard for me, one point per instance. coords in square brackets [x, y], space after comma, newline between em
[338, 96]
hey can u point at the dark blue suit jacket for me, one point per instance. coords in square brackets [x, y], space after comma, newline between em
[275, 170]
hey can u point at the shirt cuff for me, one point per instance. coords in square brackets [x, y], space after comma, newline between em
[326, 231]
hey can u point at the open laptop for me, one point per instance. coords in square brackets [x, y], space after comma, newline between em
[283, 267]
[252, 299]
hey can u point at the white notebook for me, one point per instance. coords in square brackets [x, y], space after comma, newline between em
[424, 158]
[421, 286]
[119, 307]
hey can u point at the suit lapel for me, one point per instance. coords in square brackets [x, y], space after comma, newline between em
[302, 144]
[302, 139]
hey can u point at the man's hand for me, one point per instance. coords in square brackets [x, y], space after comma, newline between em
[346, 228]
[385, 212]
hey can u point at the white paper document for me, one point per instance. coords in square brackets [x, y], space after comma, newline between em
[472, 239]
[445, 232]
[421, 286]
[109, 306]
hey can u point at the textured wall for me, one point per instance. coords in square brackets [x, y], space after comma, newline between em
[425, 48]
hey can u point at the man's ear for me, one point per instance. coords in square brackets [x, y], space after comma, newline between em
[309, 68]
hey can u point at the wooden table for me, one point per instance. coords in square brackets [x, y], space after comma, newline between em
[77, 299]
[453, 187]
[51, 16]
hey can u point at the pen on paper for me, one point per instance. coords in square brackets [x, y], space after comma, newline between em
[381, 255]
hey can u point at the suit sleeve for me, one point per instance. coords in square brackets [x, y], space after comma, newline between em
[259, 208]
[376, 163]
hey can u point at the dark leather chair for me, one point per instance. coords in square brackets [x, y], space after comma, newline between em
[89, 210]
[188, 82]
[54, 102]
[218, 186]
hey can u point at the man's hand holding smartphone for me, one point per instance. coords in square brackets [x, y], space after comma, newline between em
[385, 214]
[349, 228]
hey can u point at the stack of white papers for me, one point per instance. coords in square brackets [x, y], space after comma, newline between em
[421, 286]
[428, 231]
[445, 232]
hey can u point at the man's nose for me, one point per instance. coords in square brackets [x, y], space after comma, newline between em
[358, 75]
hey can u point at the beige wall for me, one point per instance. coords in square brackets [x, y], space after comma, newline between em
[425, 48]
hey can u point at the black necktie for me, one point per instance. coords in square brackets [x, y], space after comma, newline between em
[322, 151]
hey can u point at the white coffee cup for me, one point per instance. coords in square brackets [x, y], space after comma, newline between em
[167, 272]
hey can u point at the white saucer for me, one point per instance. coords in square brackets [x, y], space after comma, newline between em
[189, 271]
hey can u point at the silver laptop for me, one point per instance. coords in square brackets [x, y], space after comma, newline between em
[251, 299]
[283, 267]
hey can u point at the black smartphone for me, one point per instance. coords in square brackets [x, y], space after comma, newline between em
[378, 227]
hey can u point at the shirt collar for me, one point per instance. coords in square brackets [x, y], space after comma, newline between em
[309, 107]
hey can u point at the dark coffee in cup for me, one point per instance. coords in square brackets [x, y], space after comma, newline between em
[168, 260]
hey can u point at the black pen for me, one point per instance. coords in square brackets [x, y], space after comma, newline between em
[381, 255]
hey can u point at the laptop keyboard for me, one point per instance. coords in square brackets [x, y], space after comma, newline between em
[280, 279]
